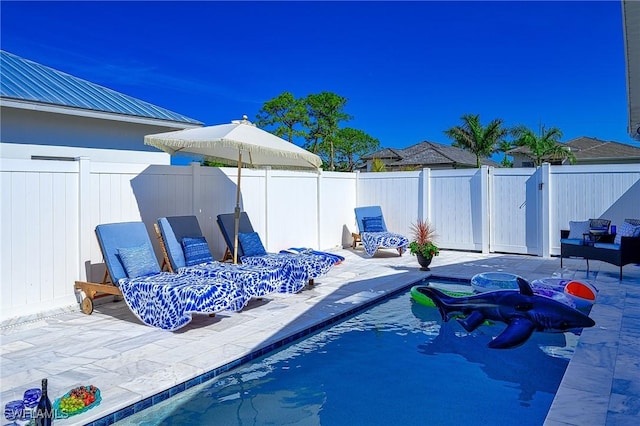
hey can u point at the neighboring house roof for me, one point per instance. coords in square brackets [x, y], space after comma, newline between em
[385, 153]
[426, 153]
[27, 82]
[587, 149]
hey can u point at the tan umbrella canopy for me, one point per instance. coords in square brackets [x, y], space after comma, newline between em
[232, 144]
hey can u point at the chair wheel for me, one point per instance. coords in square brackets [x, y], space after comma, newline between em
[87, 306]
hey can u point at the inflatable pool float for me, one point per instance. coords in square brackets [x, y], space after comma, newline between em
[582, 290]
[581, 293]
[423, 299]
[492, 281]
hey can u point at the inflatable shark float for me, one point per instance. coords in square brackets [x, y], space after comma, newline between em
[522, 310]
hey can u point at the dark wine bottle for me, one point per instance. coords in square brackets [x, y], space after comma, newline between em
[44, 410]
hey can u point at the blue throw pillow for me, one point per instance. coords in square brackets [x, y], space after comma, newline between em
[251, 244]
[625, 230]
[138, 261]
[372, 224]
[196, 251]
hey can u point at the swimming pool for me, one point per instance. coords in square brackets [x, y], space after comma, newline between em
[395, 363]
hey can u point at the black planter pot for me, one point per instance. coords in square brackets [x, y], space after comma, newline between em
[424, 262]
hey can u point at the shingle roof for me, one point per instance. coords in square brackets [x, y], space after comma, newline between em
[25, 80]
[383, 153]
[584, 148]
[425, 153]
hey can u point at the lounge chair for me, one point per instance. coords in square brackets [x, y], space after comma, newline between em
[176, 232]
[304, 266]
[373, 232]
[159, 299]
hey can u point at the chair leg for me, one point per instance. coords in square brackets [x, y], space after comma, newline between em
[587, 265]
[561, 261]
[227, 255]
[620, 272]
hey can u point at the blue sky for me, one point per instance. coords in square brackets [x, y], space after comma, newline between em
[408, 69]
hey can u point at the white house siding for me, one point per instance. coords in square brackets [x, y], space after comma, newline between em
[50, 209]
[26, 133]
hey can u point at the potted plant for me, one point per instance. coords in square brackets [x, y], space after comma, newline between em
[422, 245]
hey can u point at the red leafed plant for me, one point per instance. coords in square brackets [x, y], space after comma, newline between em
[423, 237]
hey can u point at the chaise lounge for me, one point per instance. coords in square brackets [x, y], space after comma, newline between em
[373, 232]
[301, 268]
[620, 249]
[186, 252]
[159, 299]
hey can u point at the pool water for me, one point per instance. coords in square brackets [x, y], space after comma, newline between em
[395, 363]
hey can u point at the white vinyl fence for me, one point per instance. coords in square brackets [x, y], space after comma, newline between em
[49, 211]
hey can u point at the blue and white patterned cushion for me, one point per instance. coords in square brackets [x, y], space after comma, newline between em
[196, 251]
[372, 224]
[298, 268]
[372, 241]
[255, 281]
[251, 244]
[167, 300]
[578, 229]
[625, 230]
[138, 261]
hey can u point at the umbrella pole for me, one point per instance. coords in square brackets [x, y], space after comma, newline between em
[236, 212]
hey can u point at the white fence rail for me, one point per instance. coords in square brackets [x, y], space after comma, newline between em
[50, 209]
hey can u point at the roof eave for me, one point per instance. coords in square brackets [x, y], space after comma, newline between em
[101, 115]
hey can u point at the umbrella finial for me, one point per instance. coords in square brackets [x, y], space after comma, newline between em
[245, 120]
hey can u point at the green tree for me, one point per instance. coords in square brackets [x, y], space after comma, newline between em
[325, 111]
[350, 145]
[543, 146]
[472, 136]
[504, 147]
[285, 112]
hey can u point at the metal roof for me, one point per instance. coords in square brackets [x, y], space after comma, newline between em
[28, 81]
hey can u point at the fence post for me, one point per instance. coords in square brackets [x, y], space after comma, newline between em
[195, 187]
[318, 213]
[84, 215]
[485, 216]
[424, 196]
[544, 213]
[267, 205]
[357, 172]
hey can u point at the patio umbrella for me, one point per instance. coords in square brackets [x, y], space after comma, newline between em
[229, 144]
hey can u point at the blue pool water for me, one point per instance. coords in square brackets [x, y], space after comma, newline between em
[395, 363]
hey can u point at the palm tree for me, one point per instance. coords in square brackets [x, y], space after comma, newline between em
[377, 165]
[472, 136]
[504, 147]
[544, 146]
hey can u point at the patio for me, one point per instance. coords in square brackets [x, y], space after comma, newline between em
[130, 362]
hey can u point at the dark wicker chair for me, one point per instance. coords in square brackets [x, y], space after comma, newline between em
[629, 251]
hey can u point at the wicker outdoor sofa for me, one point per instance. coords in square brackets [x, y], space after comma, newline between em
[618, 249]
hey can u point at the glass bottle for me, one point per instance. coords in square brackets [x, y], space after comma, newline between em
[44, 411]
